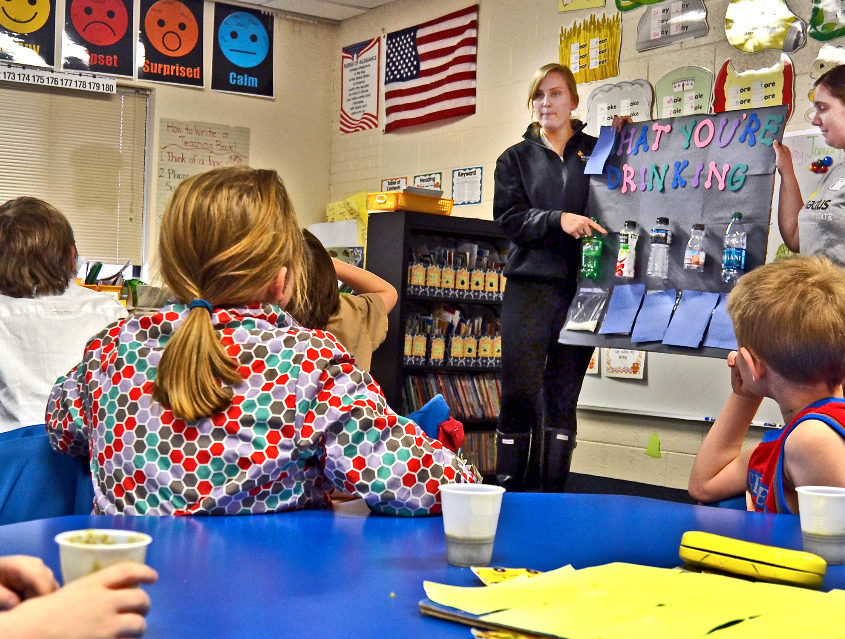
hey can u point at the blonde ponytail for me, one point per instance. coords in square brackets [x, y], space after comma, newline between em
[225, 236]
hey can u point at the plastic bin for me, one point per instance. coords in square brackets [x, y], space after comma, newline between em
[399, 201]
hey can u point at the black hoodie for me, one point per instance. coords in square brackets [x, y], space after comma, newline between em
[533, 186]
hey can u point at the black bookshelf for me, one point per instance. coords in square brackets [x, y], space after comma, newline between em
[389, 252]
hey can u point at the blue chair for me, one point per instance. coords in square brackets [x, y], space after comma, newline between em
[37, 482]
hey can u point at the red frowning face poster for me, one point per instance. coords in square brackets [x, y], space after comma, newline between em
[98, 36]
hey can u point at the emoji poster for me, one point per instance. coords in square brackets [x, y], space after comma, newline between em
[242, 59]
[98, 36]
[170, 42]
[27, 32]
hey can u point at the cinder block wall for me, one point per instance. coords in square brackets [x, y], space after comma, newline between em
[516, 37]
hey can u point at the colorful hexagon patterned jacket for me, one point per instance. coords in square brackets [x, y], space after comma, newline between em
[304, 421]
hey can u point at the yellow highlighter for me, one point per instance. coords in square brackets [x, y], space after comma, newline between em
[748, 559]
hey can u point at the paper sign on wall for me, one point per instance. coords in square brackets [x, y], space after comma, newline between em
[429, 181]
[394, 183]
[188, 148]
[671, 22]
[827, 21]
[684, 91]
[623, 98]
[359, 86]
[576, 5]
[590, 48]
[28, 33]
[755, 25]
[755, 87]
[466, 185]
[620, 362]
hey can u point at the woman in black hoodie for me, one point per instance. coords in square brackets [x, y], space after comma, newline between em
[540, 201]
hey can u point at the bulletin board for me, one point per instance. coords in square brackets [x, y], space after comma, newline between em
[691, 387]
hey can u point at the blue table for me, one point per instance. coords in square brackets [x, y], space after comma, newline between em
[345, 574]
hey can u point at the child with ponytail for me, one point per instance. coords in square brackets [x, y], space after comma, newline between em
[222, 403]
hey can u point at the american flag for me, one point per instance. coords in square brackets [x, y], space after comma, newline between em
[430, 70]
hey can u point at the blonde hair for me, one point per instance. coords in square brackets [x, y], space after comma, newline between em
[791, 313]
[541, 74]
[225, 236]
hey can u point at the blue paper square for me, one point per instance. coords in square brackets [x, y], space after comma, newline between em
[654, 316]
[622, 308]
[691, 318]
[720, 333]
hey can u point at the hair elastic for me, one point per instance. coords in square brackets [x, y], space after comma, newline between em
[199, 302]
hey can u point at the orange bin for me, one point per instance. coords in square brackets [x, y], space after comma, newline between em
[399, 201]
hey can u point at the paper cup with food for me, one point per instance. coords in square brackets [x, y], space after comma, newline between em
[82, 552]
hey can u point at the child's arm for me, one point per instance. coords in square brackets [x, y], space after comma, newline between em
[721, 466]
[814, 455]
[362, 281]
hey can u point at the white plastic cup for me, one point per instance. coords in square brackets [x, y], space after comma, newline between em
[822, 513]
[82, 552]
[470, 518]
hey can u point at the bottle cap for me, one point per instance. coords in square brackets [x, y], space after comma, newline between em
[697, 227]
[663, 220]
[630, 224]
[737, 215]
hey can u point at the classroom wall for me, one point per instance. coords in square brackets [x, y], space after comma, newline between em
[290, 133]
[515, 38]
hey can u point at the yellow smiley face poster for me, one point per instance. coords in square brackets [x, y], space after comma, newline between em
[29, 27]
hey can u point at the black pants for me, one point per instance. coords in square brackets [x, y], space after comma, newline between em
[541, 378]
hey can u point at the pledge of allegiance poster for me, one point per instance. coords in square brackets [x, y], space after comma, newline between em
[359, 86]
[242, 55]
[188, 148]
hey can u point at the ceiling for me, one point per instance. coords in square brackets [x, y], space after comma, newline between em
[324, 10]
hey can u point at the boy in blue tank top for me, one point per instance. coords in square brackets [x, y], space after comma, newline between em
[789, 320]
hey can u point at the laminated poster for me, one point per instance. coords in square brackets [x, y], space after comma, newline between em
[593, 366]
[28, 32]
[671, 22]
[466, 185]
[623, 98]
[170, 42]
[432, 181]
[242, 53]
[359, 86]
[827, 21]
[755, 25]
[754, 88]
[684, 91]
[99, 36]
[620, 362]
[394, 183]
[590, 48]
[577, 5]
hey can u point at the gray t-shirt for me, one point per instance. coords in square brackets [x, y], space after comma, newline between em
[821, 222]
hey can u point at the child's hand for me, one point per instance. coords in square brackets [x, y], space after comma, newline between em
[739, 385]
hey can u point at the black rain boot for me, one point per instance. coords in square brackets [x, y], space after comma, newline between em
[511, 459]
[558, 445]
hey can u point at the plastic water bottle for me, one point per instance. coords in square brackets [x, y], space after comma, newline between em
[627, 257]
[694, 254]
[733, 257]
[591, 255]
[658, 257]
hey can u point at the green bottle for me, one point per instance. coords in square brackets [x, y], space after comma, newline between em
[591, 255]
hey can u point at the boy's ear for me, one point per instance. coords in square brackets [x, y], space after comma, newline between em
[755, 365]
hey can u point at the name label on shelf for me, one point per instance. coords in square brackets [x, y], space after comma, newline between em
[57, 79]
